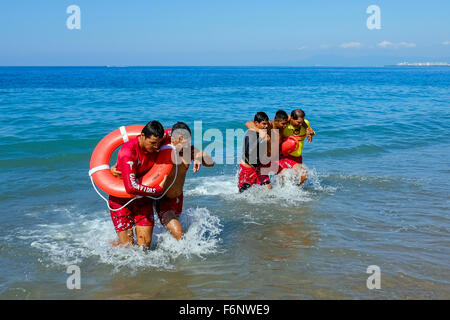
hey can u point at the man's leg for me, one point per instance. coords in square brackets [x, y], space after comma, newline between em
[144, 236]
[175, 228]
[244, 187]
[295, 163]
[126, 238]
[301, 174]
[122, 220]
[144, 221]
[304, 175]
[284, 164]
[247, 177]
[168, 210]
[262, 179]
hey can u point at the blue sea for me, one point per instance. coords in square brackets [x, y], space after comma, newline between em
[377, 194]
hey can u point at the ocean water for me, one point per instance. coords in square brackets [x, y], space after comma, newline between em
[378, 192]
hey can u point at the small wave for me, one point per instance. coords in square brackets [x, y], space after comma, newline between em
[82, 238]
[212, 186]
[372, 180]
[363, 149]
[285, 194]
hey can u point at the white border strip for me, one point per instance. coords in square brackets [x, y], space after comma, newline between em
[124, 133]
[94, 170]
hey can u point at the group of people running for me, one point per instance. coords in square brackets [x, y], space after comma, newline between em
[137, 156]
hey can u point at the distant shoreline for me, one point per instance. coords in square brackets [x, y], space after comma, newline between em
[422, 64]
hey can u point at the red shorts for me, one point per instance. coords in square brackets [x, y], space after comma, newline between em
[138, 213]
[287, 163]
[296, 159]
[251, 176]
[169, 208]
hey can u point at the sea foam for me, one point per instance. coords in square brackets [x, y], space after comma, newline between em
[90, 236]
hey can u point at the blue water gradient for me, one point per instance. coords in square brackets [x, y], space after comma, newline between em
[378, 193]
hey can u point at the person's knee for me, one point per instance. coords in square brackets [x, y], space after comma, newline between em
[267, 185]
[177, 234]
[144, 235]
[303, 178]
[144, 241]
[175, 228]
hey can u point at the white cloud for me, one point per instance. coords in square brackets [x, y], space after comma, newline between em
[388, 44]
[351, 45]
[385, 44]
[302, 48]
[446, 43]
[407, 44]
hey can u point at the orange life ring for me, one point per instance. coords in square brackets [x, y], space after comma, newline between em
[289, 145]
[100, 159]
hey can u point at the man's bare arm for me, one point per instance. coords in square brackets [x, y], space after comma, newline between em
[206, 159]
[251, 125]
[200, 158]
[310, 133]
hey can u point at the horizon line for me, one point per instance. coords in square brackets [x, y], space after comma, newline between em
[200, 66]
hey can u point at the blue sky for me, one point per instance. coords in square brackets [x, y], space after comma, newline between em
[210, 32]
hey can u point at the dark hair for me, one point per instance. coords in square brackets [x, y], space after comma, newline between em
[181, 126]
[261, 116]
[281, 115]
[295, 114]
[153, 128]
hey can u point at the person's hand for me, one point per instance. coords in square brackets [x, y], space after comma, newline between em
[197, 165]
[263, 134]
[116, 173]
[310, 134]
[310, 131]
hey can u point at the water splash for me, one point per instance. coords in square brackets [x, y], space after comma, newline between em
[285, 193]
[84, 237]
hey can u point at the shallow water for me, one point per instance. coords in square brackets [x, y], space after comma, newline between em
[378, 192]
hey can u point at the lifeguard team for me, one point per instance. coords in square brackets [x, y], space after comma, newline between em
[261, 155]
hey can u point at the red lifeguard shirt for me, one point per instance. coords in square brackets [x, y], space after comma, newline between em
[134, 163]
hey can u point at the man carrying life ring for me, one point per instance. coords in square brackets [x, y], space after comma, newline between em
[170, 206]
[134, 160]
